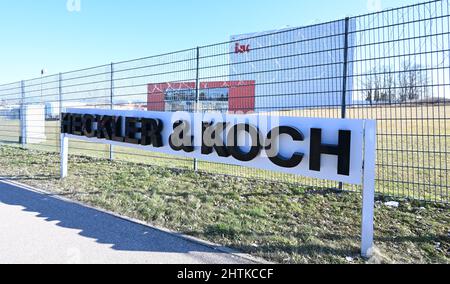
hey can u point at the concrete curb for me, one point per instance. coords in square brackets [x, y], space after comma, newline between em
[217, 247]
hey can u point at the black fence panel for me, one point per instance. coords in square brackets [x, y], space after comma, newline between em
[392, 66]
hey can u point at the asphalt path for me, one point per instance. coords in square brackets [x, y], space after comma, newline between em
[40, 228]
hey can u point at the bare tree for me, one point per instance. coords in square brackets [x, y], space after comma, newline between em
[379, 86]
[369, 88]
[388, 93]
[413, 81]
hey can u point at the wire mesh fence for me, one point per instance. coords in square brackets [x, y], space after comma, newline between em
[392, 66]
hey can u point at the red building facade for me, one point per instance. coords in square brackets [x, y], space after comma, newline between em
[230, 96]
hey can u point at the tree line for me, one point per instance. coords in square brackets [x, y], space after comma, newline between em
[383, 85]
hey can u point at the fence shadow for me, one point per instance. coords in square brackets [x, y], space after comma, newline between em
[34, 177]
[123, 235]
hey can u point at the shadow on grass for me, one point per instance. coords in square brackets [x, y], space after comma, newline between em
[34, 177]
[350, 244]
[123, 235]
[309, 250]
[300, 192]
[414, 239]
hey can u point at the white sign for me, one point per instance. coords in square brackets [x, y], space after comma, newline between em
[331, 149]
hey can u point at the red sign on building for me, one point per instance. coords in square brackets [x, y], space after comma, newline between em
[230, 96]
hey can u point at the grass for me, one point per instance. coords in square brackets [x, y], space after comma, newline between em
[281, 222]
[413, 150]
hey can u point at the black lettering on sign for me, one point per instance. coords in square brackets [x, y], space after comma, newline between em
[146, 132]
[179, 141]
[342, 150]
[88, 126]
[233, 146]
[104, 127]
[66, 123]
[131, 130]
[77, 125]
[117, 129]
[212, 141]
[276, 158]
[151, 132]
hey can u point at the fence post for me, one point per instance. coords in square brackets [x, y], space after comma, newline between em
[344, 78]
[60, 102]
[197, 95]
[111, 105]
[23, 133]
[345, 70]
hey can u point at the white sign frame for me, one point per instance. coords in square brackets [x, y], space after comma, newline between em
[363, 138]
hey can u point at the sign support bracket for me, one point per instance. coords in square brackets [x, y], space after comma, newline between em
[64, 155]
[368, 190]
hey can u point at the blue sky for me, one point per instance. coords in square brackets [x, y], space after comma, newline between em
[49, 34]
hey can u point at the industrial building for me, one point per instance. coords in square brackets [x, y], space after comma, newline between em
[270, 71]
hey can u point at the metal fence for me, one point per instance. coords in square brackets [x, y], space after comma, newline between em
[392, 66]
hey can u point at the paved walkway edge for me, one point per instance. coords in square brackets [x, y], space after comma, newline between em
[217, 247]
